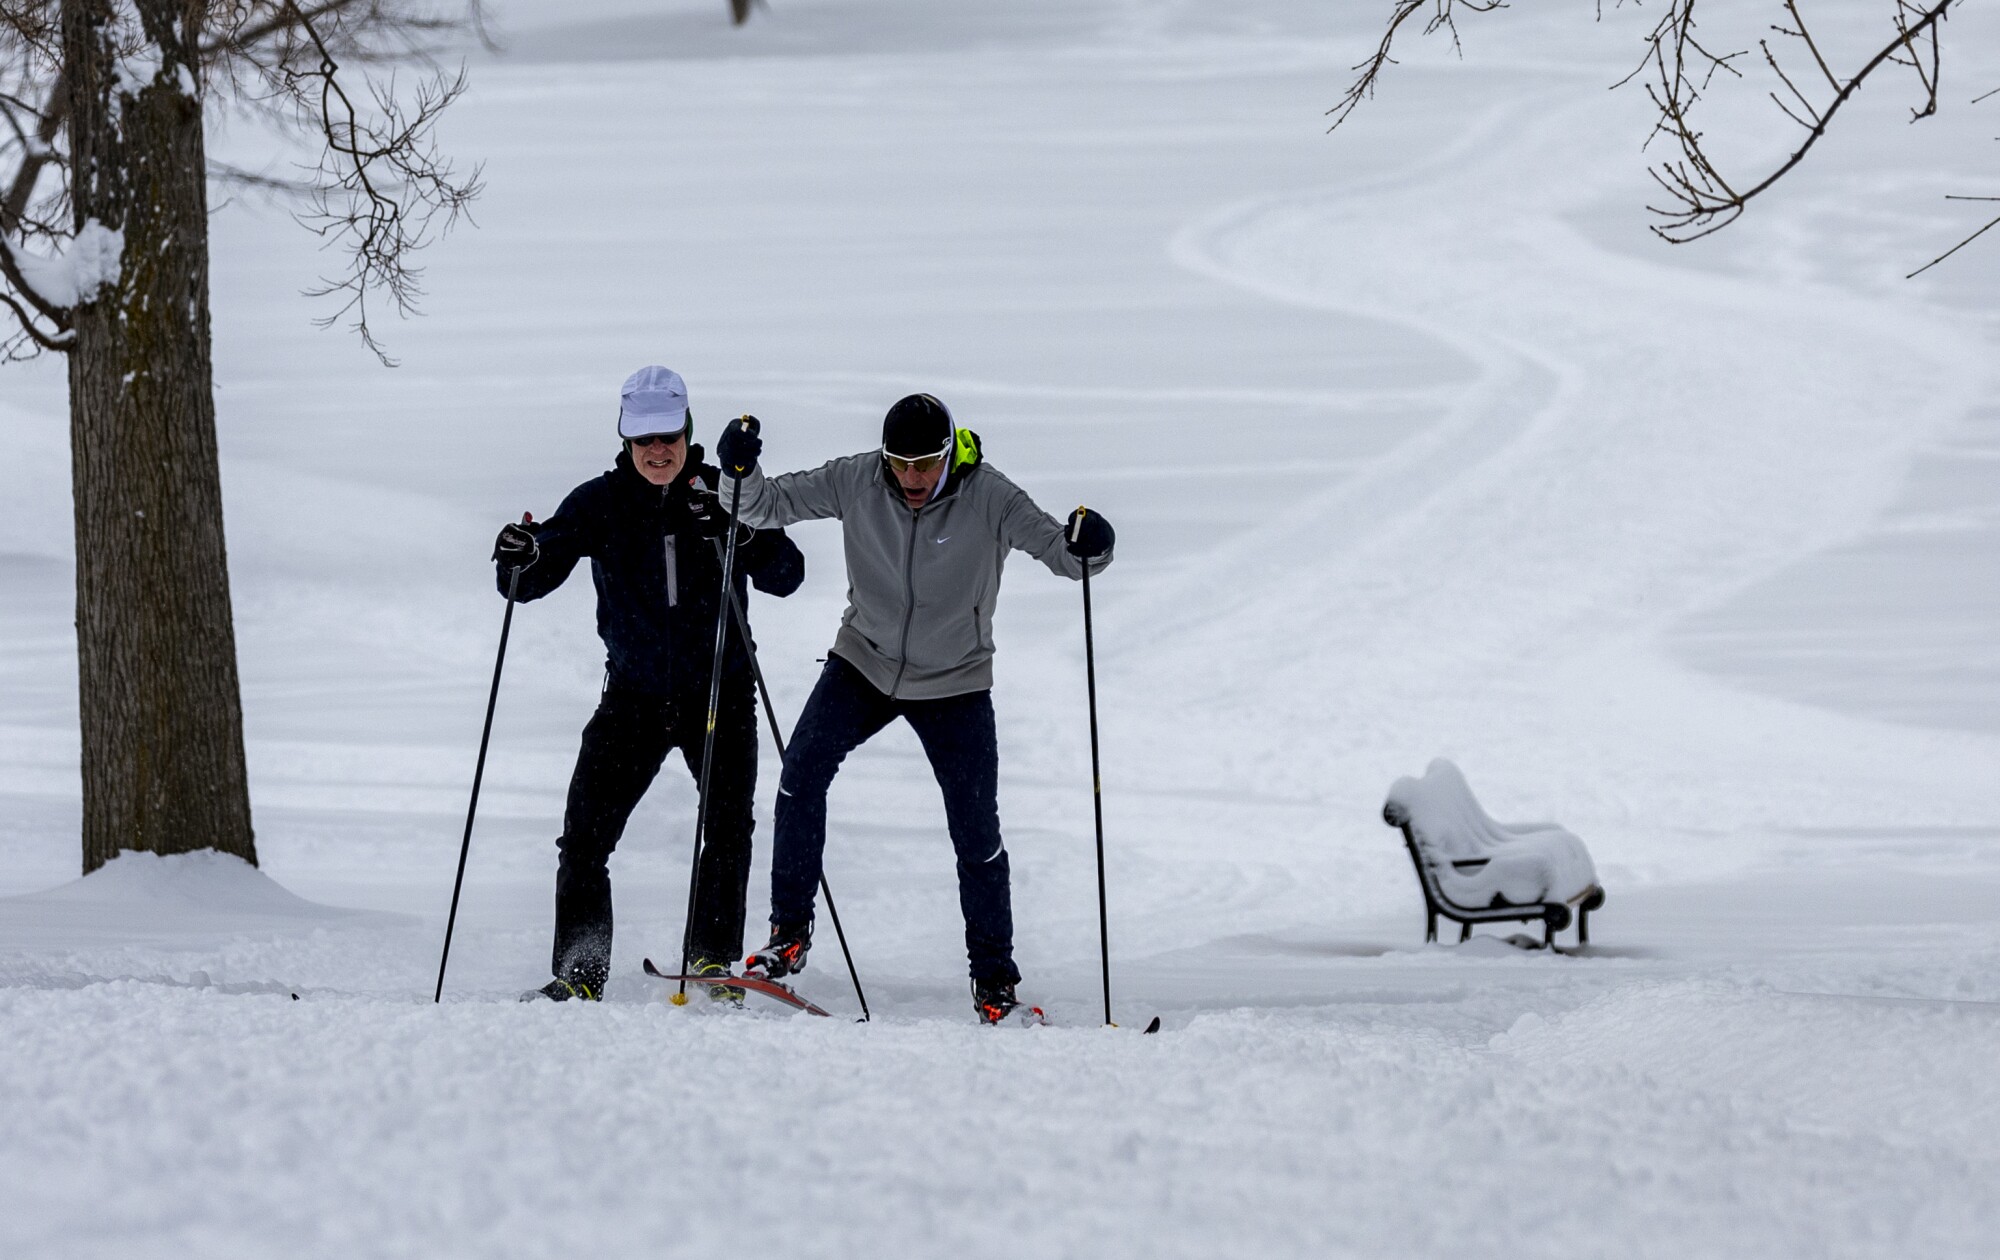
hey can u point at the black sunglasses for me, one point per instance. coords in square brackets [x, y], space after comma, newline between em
[664, 439]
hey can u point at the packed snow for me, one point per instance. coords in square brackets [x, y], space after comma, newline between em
[1417, 445]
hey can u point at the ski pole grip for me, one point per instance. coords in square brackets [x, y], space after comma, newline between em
[1076, 525]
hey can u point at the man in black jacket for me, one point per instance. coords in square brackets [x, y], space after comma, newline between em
[653, 530]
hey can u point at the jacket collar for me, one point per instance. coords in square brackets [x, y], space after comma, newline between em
[627, 477]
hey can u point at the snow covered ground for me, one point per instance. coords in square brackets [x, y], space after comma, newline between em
[1417, 445]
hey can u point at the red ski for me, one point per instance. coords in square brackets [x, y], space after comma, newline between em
[754, 984]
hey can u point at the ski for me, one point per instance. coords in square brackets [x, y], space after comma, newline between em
[753, 984]
[1147, 1031]
[1022, 1017]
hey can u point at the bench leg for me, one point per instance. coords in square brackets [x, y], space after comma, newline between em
[1430, 926]
[1464, 933]
[1582, 927]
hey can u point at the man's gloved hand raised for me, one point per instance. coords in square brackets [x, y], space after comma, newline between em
[710, 518]
[1088, 535]
[516, 547]
[738, 448]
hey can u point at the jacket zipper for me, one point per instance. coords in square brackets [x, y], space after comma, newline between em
[672, 559]
[909, 604]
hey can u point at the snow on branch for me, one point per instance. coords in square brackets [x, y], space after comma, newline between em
[27, 274]
[74, 277]
[50, 287]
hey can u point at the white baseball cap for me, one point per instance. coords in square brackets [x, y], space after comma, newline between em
[652, 400]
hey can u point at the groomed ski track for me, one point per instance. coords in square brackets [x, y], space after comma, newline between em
[1393, 479]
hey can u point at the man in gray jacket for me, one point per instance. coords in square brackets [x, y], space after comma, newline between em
[927, 525]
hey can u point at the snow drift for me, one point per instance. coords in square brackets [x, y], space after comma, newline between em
[144, 897]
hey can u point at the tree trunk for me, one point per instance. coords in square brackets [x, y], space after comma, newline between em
[162, 718]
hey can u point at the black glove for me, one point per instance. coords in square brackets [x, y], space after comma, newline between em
[516, 547]
[709, 517]
[1088, 535]
[739, 446]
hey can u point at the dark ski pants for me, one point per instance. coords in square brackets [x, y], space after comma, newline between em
[958, 736]
[624, 745]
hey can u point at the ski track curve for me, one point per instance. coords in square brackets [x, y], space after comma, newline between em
[1495, 588]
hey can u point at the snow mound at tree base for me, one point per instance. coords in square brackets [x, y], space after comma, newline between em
[144, 897]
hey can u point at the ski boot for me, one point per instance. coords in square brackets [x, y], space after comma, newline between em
[580, 978]
[560, 990]
[722, 994]
[994, 1000]
[785, 954]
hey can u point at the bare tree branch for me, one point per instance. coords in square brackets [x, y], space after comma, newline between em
[1443, 16]
[246, 34]
[33, 159]
[59, 340]
[231, 175]
[1677, 71]
[381, 190]
[10, 268]
[47, 341]
[1799, 29]
[1707, 203]
[1990, 225]
[37, 152]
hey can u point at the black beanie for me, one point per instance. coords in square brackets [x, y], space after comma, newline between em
[916, 426]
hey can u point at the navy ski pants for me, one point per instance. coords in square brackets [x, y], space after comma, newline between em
[624, 745]
[958, 736]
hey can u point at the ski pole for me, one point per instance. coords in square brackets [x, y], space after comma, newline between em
[708, 736]
[478, 773]
[1096, 776]
[771, 715]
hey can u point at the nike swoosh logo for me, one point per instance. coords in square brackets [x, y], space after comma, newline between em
[946, 538]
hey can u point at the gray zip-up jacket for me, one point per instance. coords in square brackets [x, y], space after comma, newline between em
[921, 585]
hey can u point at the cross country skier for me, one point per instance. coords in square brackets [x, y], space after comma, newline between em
[927, 525]
[652, 529]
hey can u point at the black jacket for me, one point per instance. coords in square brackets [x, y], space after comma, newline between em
[659, 582]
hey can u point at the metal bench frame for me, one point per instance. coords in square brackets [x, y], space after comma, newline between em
[1554, 915]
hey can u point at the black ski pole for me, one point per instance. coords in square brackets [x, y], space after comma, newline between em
[777, 737]
[478, 773]
[1096, 776]
[708, 736]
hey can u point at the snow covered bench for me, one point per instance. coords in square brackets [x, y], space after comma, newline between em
[1475, 870]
